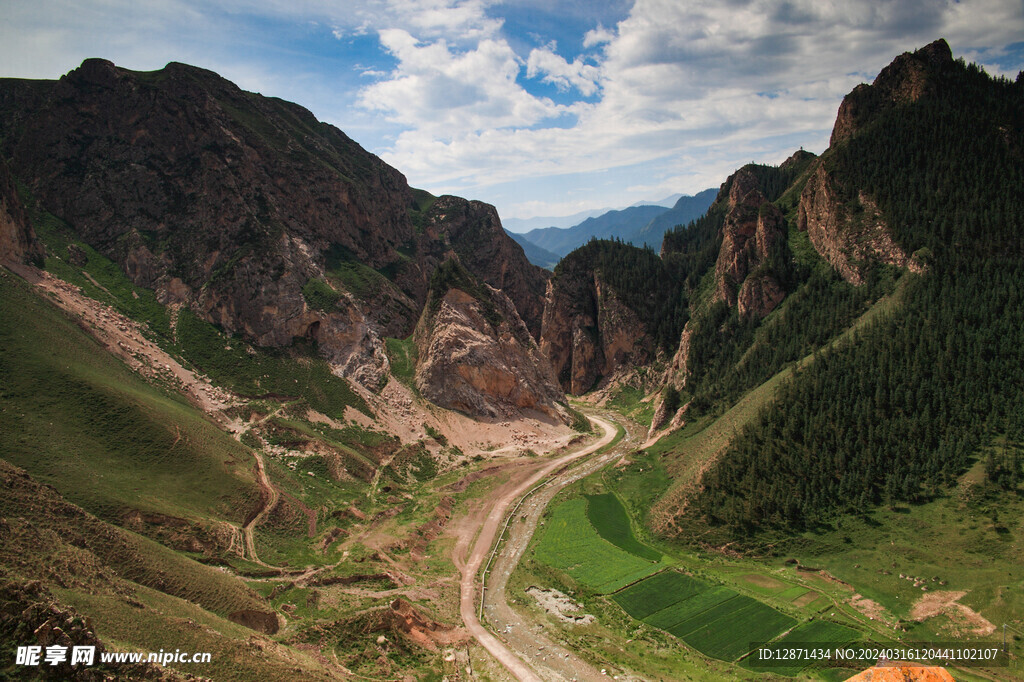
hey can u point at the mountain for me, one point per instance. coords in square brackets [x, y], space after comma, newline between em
[522, 225]
[18, 242]
[667, 202]
[684, 210]
[608, 225]
[915, 209]
[475, 354]
[640, 225]
[248, 211]
[610, 306]
[535, 254]
[254, 388]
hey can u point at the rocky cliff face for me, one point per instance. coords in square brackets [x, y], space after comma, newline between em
[474, 232]
[588, 332]
[477, 356]
[850, 235]
[753, 227]
[906, 79]
[234, 204]
[17, 240]
[845, 224]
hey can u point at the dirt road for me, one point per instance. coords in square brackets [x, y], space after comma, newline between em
[488, 516]
[550, 659]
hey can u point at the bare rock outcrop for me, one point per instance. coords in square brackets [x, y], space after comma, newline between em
[906, 79]
[588, 331]
[473, 231]
[753, 227]
[232, 203]
[17, 239]
[477, 356]
[850, 235]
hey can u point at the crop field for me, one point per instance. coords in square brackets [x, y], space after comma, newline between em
[571, 544]
[715, 620]
[611, 522]
[735, 630]
[818, 632]
[656, 593]
[697, 604]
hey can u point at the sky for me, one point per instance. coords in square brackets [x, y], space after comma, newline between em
[540, 107]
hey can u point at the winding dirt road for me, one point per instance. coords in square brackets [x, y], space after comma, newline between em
[489, 516]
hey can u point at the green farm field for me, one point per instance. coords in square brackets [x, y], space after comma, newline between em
[571, 544]
[610, 520]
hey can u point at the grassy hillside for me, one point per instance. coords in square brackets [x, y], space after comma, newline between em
[77, 418]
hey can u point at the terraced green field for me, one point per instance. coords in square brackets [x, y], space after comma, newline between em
[610, 520]
[571, 544]
[656, 593]
[734, 628]
[818, 632]
[715, 620]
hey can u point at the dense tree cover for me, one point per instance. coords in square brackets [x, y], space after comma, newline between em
[690, 251]
[902, 409]
[730, 355]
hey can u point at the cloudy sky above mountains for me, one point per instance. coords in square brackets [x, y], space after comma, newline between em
[542, 108]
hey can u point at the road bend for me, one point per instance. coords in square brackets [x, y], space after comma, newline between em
[522, 643]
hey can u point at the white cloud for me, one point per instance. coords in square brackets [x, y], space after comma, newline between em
[716, 85]
[680, 91]
[598, 36]
[554, 69]
[444, 93]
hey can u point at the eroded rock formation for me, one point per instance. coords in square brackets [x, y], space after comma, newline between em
[477, 356]
[753, 228]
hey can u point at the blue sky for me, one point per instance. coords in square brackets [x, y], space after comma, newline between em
[539, 107]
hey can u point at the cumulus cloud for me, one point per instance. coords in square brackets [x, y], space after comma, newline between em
[598, 36]
[716, 84]
[553, 68]
[446, 93]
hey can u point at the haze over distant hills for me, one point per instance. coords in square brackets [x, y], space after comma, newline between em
[642, 225]
[523, 225]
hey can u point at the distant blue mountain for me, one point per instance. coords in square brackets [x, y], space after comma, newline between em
[608, 225]
[685, 210]
[534, 253]
[638, 225]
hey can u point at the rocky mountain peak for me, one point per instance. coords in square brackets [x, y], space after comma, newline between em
[261, 219]
[910, 76]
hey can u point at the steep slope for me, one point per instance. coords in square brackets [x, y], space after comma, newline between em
[911, 399]
[609, 306]
[472, 230]
[18, 242]
[683, 212]
[248, 210]
[475, 354]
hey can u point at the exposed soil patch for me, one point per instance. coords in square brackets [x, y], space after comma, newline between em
[870, 608]
[963, 619]
[560, 606]
[126, 339]
[805, 599]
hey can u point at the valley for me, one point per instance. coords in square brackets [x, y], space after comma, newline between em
[261, 398]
